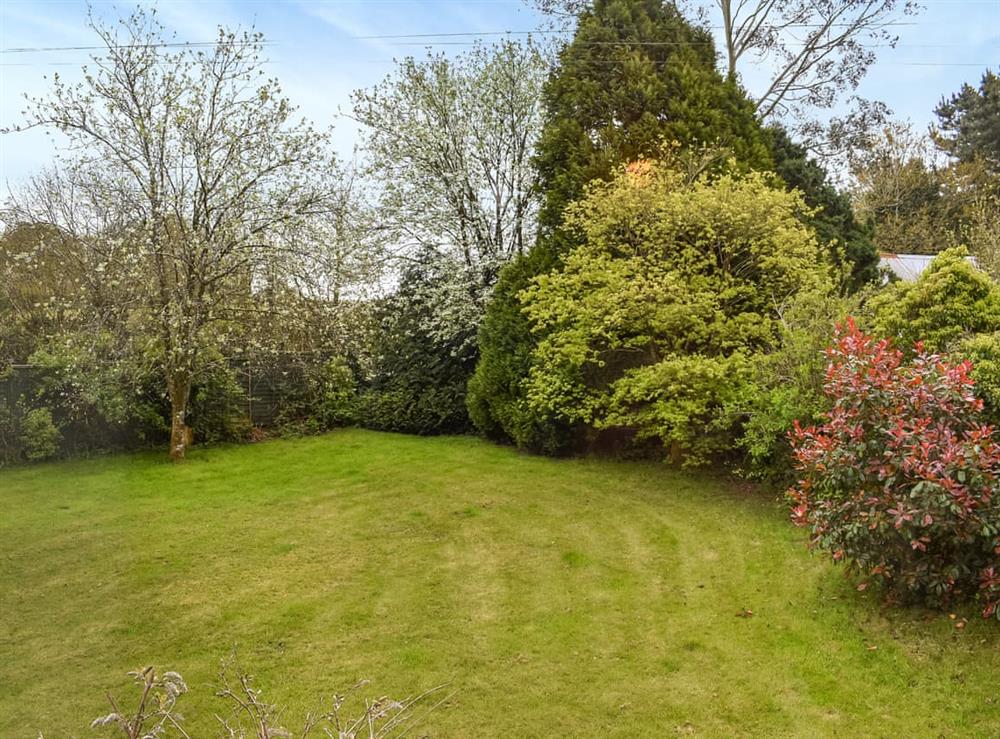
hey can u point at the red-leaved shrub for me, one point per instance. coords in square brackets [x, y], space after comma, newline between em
[901, 480]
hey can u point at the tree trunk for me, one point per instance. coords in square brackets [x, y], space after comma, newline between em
[179, 389]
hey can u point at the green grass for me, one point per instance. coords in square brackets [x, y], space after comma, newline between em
[558, 597]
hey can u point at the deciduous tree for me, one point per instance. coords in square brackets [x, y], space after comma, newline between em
[198, 157]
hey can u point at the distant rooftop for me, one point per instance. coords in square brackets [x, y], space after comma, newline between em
[908, 267]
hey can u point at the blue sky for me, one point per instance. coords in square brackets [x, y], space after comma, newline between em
[317, 54]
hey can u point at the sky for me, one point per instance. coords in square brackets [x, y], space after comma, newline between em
[321, 50]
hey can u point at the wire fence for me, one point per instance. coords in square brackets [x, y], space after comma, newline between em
[225, 405]
[264, 389]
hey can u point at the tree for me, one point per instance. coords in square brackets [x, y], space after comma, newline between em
[833, 219]
[911, 201]
[197, 155]
[449, 142]
[635, 75]
[648, 328]
[982, 232]
[35, 285]
[816, 51]
[420, 372]
[969, 123]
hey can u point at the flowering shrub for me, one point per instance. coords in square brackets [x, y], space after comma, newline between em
[901, 479]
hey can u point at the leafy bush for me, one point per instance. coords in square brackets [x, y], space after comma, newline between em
[336, 390]
[40, 435]
[496, 392]
[952, 300]
[901, 478]
[100, 400]
[953, 307]
[648, 327]
[786, 383]
[983, 350]
[217, 411]
[425, 352]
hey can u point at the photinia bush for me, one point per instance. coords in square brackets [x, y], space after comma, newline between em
[900, 481]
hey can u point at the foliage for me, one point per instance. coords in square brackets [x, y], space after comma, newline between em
[954, 308]
[649, 324]
[424, 353]
[914, 199]
[833, 217]
[103, 397]
[982, 232]
[40, 269]
[41, 436]
[983, 350]
[634, 75]
[950, 301]
[786, 382]
[900, 479]
[969, 123]
[336, 387]
[897, 191]
[217, 412]
[496, 391]
[449, 142]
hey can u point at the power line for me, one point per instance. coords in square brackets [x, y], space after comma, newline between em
[177, 44]
[406, 36]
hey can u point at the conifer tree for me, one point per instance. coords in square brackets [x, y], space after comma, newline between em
[834, 222]
[636, 74]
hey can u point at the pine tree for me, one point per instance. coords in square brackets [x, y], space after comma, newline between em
[970, 123]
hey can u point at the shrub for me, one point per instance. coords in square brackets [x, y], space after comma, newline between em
[336, 389]
[952, 300]
[900, 479]
[786, 383]
[217, 411]
[496, 393]
[647, 328]
[40, 435]
[425, 352]
[952, 307]
[983, 350]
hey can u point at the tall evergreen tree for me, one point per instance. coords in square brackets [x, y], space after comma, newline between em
[635, 76]
[835, 222]
[969, 128]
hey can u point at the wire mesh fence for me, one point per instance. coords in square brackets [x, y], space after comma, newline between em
[226, 404]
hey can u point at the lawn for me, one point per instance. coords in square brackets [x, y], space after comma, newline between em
[557, 597]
